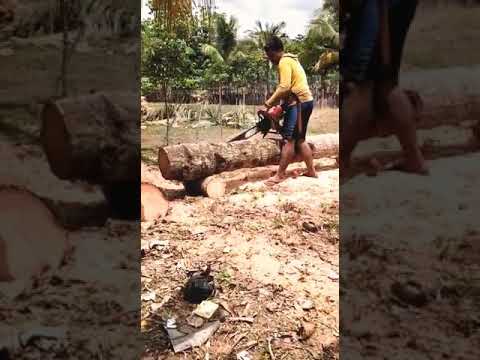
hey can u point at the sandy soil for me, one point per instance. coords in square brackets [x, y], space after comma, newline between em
[399, 228]
[265, 263]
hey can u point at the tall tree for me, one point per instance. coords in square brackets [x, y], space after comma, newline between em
[261, 34]
[322, 40]
[169, 11]
[226, 34]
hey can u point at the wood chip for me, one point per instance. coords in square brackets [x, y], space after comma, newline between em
[242, 319]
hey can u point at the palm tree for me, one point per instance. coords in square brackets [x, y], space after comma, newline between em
[261, 34]
[323, 34]
[226, 34]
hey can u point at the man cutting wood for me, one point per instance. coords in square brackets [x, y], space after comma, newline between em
[294, 92]
[371, 57]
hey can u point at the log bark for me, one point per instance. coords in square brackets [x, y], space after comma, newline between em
[219, 185]
[31, 239]
[374, 162]
[187, 162]
[75, 205]
[95, 138]
[154, 203]
[440, 111]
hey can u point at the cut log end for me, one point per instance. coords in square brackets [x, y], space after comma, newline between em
[56, 142]
[214, 188]
[93, 138]
[154, 203]
[28, 249]
[164, 164]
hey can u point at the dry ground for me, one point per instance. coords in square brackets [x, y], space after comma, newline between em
[399, 228]
[443, 36]
[92, 297]
[265, 263]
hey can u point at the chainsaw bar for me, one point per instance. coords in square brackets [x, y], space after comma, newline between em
[263, 126]
[245, 134]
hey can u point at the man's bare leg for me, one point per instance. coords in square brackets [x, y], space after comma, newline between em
[307, 156]
[286, 157]
[402, 118]
[356, 122]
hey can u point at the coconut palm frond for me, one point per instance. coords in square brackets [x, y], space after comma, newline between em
[212, 52]
[328, 59]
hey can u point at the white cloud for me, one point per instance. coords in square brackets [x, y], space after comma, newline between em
[296, 13]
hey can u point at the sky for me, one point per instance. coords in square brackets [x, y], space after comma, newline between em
[296, 13]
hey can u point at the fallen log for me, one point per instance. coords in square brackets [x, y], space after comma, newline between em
[95, 138]
[154, 203]
[219, 185]
[31, 239]
[434, 147]
[187, 162]
[441, 111]
[74, 205]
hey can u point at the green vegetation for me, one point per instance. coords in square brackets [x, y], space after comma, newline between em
[198, 48]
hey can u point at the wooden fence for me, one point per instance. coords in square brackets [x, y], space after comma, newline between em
[254, 95]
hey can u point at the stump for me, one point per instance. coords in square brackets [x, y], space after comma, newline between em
[154, 203]
[171, 190]
[31, 239]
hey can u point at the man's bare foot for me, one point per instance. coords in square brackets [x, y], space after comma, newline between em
[311, 174]
[297, 173]
[276, 179]
[402, 165]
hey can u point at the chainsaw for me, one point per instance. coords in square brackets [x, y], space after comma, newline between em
[269, 123]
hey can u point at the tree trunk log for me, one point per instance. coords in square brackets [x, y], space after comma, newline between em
[31, 240]
[219, 185]
[75, 205]
[438, 111]
[187, 162]
[154, 203]
[95, 138]
[374, 162]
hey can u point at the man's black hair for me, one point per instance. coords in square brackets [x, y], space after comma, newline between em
[274, 43]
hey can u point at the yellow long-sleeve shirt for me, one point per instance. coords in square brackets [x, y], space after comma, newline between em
[292, 78]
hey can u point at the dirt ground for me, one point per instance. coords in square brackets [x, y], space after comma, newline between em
[92, 300]
[267, 264]
[409, 287]
[441, 36]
